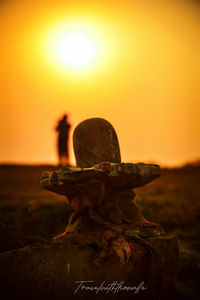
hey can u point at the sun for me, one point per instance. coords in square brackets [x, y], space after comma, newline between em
[76, 49]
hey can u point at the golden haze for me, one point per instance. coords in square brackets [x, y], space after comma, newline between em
[145, 80]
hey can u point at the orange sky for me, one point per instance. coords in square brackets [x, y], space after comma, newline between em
[145, 81]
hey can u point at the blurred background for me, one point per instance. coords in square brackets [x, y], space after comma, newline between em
[134, 63]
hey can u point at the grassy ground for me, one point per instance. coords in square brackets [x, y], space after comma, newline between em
[29, 214]
[173, 200]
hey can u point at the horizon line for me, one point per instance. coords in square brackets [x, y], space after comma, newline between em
[51, 164]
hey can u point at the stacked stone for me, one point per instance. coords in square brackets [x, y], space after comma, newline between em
[104, 213]
[107, 242]
[103, 195]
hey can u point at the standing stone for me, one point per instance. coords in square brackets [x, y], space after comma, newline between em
[95, 141]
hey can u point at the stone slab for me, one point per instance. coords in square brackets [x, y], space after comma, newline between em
[119, 176]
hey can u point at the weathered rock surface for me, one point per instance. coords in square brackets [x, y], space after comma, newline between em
[117, 175]
[106, 217]
[50, 271]
[102, 195]
[95, 141]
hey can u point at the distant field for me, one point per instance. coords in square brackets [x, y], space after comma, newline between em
[29, 214]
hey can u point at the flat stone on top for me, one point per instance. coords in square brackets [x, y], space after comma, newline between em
[118, 175]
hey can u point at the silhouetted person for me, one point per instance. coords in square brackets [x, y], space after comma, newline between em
[63, 135]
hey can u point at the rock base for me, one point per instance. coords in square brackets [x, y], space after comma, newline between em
[51, 271]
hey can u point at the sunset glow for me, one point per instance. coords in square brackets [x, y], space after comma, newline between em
[133, 63]
[73, 48]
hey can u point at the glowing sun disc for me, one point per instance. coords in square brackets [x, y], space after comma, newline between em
[75, 49]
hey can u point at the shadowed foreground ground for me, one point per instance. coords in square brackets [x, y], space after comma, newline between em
[29, 215]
